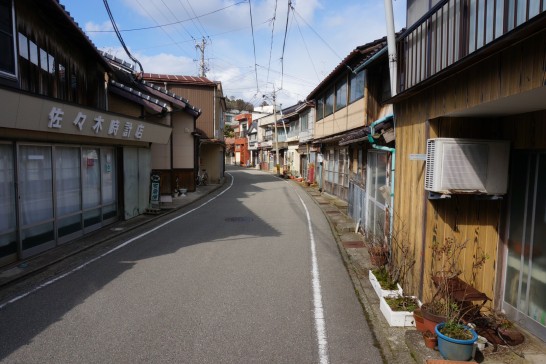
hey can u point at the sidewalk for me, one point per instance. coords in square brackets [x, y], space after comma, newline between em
[400, 345]
[17, 272]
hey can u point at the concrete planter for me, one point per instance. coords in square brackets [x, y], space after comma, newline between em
[396, 318]
[380, 291]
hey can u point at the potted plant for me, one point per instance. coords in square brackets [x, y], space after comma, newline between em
[419, 321]
[382, 283]
[455, 340]
[430, 338]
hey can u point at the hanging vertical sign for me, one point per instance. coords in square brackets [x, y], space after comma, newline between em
[154, 186]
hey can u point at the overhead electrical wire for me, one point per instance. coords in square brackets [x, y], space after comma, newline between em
[284, 41]
[306, 48]
[272, 34]
[316, 33]
[254, 45]
[176, 18]
[204, 34]
[168, 24]
[118, 34]
[164, 31]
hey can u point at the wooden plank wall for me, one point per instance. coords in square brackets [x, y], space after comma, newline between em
[517, 69]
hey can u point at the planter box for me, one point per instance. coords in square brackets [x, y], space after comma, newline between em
[383, 292]
[396, 318]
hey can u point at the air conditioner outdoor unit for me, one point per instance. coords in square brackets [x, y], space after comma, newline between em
[467, 166]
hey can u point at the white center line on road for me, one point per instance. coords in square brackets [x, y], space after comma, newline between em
[320, 324]
[124, 244]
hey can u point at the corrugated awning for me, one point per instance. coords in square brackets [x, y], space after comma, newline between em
[356, 136]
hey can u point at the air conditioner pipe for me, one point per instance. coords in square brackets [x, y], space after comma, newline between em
[393, 163]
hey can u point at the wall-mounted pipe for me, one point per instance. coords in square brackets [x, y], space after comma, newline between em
[393, 164]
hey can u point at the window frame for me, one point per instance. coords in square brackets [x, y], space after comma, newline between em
[329, 101]
[320, 108]
[352, 79]
[342, 83]
[15, 53]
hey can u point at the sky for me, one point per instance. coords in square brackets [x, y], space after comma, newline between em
[257, 49]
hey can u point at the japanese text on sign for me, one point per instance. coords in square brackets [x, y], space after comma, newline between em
[96, 126]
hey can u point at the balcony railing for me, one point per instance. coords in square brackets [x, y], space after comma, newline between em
[454, 29]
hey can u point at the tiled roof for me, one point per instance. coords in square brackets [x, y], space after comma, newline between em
[357, 57]
[191, 80]
[137, 93]
[161, 93]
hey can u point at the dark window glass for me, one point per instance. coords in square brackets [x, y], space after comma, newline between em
[341, 94]
[23, 46]
[329, 102]
[33, 52]
[320, 109]
[356, 90]
[7, 55]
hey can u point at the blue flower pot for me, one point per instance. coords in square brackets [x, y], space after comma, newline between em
[454, 349]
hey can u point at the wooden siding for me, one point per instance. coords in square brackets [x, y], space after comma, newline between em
[202, 97]
[422, 116]
[123, 106]
[350, 117]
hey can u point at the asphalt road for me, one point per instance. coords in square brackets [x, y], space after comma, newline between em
[252, 274]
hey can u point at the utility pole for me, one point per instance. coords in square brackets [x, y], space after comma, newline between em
[202, 66]
[276, 135]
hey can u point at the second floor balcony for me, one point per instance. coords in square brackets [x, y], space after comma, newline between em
[455, 29]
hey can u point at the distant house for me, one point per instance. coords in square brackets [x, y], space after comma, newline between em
[195, 147]
[242, 154]
[166, 108]
[470, 100]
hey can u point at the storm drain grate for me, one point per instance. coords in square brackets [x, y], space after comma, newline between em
[333, 212]
[353, 244]
[239, 219]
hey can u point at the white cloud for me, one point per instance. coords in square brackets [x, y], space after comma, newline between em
[94, 27]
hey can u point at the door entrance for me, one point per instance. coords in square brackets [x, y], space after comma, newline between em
[525, 279]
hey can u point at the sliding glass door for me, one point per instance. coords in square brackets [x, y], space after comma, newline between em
[8, 221]
[35, 175]
[525, 279]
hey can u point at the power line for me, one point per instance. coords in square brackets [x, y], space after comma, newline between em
[284, 41]
[118, 34]
[272, 33]
[195, 15]
[253, 44]
[166, 24]
[176, 18]
[306, 48]
[161, 27]
[316, 33]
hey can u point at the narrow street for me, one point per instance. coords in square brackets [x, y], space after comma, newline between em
[250, 274]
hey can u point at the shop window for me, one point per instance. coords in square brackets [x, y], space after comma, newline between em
[8, 244]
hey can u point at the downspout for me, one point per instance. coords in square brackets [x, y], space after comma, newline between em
[214, 113]
[393, 164]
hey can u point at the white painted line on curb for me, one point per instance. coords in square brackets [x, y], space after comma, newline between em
[124, 244]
